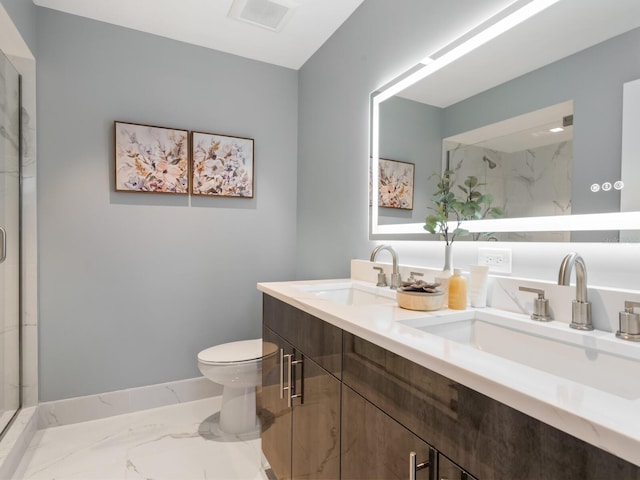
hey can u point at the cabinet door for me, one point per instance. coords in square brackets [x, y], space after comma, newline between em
[313, 337]
[447, 470]
[375, 446]
[274, 412]
[316, 423]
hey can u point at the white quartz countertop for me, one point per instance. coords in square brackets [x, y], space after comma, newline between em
[608, 421]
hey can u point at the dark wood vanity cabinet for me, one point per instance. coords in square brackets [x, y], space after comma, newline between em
[300, 410]
[482, 436]
[363, 409]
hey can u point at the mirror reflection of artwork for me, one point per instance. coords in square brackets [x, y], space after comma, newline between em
[395, 184]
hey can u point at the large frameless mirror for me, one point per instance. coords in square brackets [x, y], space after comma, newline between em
[538, 106]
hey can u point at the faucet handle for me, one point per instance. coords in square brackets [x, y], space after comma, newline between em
[382, 278]
[540, 305]
[629, 322]
[629, 306]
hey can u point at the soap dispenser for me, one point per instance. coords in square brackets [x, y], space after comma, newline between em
[457, 291]
[629, 323]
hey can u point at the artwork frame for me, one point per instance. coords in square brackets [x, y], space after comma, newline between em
[395, 184]
[222, 165]
[150, 159]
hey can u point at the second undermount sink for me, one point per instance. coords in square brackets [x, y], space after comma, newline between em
[351, 293]
[596, 359]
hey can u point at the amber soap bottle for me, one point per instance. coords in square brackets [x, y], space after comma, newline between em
[457, 291]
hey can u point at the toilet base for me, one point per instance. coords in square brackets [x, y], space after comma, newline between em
[238, 411]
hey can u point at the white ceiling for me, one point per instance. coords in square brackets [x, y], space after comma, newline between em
[205, 23]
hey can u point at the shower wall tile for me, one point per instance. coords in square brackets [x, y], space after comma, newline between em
[527, 183]
[92, 407]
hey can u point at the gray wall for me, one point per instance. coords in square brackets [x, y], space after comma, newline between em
[132, 286]
[23, 15]
[381, 39]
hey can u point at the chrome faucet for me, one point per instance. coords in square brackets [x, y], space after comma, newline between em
[581, 308]
[395, 273]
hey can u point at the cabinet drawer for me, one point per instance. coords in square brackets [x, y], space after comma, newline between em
[423, 401]
[489, 439]
[315, 338]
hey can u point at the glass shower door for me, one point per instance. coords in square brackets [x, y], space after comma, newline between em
[9, 241]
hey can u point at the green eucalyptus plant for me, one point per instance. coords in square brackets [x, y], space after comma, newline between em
[473, 205]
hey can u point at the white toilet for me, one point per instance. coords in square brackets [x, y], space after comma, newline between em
[237, 366]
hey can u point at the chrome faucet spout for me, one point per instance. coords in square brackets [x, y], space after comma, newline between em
[395, 274]
[581, 311]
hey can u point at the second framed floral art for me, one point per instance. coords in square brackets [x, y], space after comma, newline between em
[151, 159]
[221, 165]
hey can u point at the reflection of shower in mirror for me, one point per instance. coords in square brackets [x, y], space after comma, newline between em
[524, 162]
[490, 162]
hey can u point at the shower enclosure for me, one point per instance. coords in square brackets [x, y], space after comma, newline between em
[10, 141]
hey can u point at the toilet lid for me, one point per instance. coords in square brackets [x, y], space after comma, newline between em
[234, 352]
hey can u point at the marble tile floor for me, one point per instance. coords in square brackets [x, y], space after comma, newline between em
[176, 442]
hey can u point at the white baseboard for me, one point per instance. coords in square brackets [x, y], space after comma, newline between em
[93, 407]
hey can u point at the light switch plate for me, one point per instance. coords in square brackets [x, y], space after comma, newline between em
[498, 259]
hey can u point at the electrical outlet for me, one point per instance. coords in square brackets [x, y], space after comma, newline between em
[497, 259]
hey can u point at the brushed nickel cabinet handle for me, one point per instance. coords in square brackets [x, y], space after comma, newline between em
[289, 379]
[293, 395]
[414, 466]
[3, 246]
[284, 358]
[281, 373]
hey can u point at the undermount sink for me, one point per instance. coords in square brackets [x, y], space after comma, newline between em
[351, 293]
[596, 359]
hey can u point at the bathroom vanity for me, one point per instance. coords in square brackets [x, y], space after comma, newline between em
[362, 390]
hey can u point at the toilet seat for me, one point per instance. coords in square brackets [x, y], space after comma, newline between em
[244, 351]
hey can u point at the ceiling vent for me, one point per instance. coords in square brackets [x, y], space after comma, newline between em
[269, 14]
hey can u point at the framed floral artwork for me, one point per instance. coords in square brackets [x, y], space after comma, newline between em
[222, 165]
[395, 184]
[151, 159]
